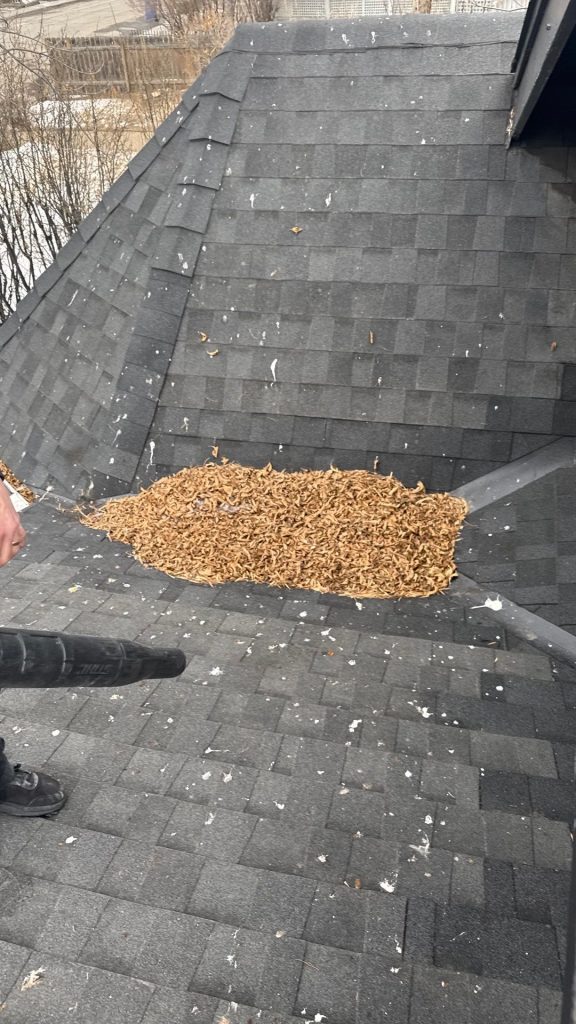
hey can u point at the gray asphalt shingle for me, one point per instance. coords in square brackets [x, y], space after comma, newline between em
[384, 144]
[313, 818]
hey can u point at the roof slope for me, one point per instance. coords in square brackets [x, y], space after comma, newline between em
[412, 317]
[313, 823]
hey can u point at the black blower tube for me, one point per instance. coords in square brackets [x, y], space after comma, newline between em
[37, 658]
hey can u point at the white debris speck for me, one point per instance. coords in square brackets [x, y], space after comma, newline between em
[227, 777]
[210, 818]
[207, 775]
[55, 732]
[328, 199]
[424, 848]
[279, 805]
[389, 884]
[70, 840]
[494, 603]
[322, 858]
[354, 725]
[216, 671]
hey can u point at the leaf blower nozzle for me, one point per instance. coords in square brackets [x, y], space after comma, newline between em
[35, 658]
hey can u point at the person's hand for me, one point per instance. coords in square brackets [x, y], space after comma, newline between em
[12, 533]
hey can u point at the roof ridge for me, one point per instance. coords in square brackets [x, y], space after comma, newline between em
[362, 34]
[211, 127]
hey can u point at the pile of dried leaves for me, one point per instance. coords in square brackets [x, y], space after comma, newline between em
[353, 533]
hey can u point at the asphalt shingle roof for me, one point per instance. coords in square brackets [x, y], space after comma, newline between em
[383, 140]
[317, 821]
[343, 812]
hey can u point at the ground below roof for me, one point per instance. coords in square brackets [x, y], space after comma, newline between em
[317, 822]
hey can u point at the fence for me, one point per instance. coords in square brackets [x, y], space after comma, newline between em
[289, 9]
[96, 64]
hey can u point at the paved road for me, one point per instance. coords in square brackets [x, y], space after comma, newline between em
[81, 18]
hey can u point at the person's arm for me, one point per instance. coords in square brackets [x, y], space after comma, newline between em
[12, 533]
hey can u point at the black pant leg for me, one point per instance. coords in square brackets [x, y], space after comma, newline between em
[6, 769]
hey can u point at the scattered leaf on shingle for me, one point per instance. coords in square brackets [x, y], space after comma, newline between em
[34, 978]
[212, 352]
[16, 483]
[343, 532]
[295, 230]
[215, 451]
[203, 336]
[371, 337]
[553, 346]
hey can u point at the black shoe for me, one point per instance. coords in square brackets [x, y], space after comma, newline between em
[31, 794]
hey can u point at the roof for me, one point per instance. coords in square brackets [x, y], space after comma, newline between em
[317, 820]
[343, 812]
[424, 314]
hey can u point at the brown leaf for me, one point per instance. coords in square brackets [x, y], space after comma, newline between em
[215, 451]
[371, 338]
[212, 352]
[202, 336]
[553, 346]
[357, 883]
[296, 230]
